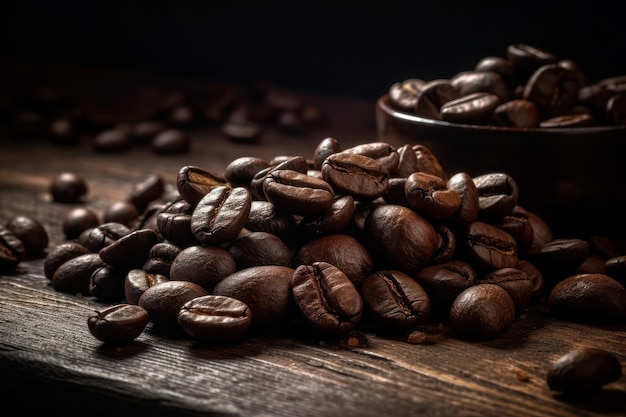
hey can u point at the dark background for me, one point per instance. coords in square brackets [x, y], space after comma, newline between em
[347, 48]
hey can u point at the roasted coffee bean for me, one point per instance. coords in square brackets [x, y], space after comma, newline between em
[116, 139]
[176, 228]
[432, 96]
[334, 220]
[482, 311]
[583, 370]
[164, 300]
[194, 182]
[399, 238]
[324, 149]
[137, 281]
[397, 302]
[542, 233]
[327, 298]
[488, 247]
[107, 283]
[204, 265]
[517, 225]
[103, 235]
[243, 131]
[554, 89]
[464, 185]
[143, 132]
[499, 65]
[475, 108]
[488, 83]
[593, 264]
[147, 191]
[429, 196]
[396, 192]
[595, 298]
[362, 177]
[615, 112]
[404, 94]
[515, 282]
[74, 275]
[498, 194]
[130, 250]
[446, 247]
[383, 152]
[298, 193]
[427, 161]
[12, 250]
[517, 113]
[527, 58]
[119, 324]
[407, 162]
[59, 254]
[568, 121]
[171, 141]
[444, 282]
[264, 217]
[79, 220]
[616, 268]
[560, 258]
[240, 171]
[68, 187]
[266, 289]
[259, 248]
[221, 214]
[31, 232]
[123, 212]
[296, 163]
[353, 259]
[160, 258]
[215, 318]
[534, 274]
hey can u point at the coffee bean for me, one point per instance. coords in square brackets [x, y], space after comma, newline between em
[259, 248]
[429, 196]
[59, 254]
[12, 250]
[171, 141]
[360, 176]
[444, 282]
[240, 171]
[68, 187]
[163, 301]
[298, 193]
[131, 250]
[583, 370]
[119, 324]
[31, 232]
[137, 281]
[74, 275]
[221, 214]
[79, 220]
[215, 318]
[146, 191]
[107, 283]
[475, 108]
[488, 247]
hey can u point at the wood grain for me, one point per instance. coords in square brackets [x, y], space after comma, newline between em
[49, 360]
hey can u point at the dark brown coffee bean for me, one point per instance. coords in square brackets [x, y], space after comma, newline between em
[298, 193]
[176, 228]
[12, 250]
[215, 318]
[432, 96]
[103, 235]
[474, 108]
[265, 289]
[31, 232]
[264, 217]
[242, 131]
[517, 113]
[119, 324]
[463, 184]
[137, 281]
[482, 311]
[74, 275]
[79, 220]
[323, 150]
[327, 298]
[147, 191]
[595, 298]
[564, 254]
[193, 183]
[383, 152]
[123, 212]
[404, 94]
[107, 283]
[396, 192]
[240, 171]
[397, 302]
[542, 233]
[160, 258]
[446, 246]
[335, 219]
[498, 194]
[68, 187]
[616, 268]
[221, 214]
[534, 274]
[294, 163]
[407, 162]
[527, 58]
[444, 282]
[515, 282]
[499, 65]
[488, 82]
[171, 141]
[569, 121]
[203, 265]
[399, 238]
[59, 254]
[353, 259]
[130, 250]
[553, 89]
[429, 196]
[427, 161]
[164, 300]
[113, 140]
[488, 247]
[593, 264]
[259, 248]
[362, 177]
[583, 370]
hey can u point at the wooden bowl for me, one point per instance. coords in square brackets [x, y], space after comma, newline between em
[574, 178]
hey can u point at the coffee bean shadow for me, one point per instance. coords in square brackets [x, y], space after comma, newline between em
[121, 352]
[603, 401]
[517, 334]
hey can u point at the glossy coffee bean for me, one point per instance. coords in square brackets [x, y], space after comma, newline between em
[362, 177]
[103, 235]
[615, 267]
[204, 265]
[383, 152]
[240, 171]
[107, 283]
[583, 370]
[517, 113]
[59, 254]
[31, 232]
[164, 300]
[12, 250]
[112, 140]
[463, 184]
[123, 212]
[407, 163]
[489, 84]
[488, 247]
[265, 289]
[327, 298]
[160, 258]
[403, 94]
[444, 282]
[68, 187]
[446, 246]
[498, 194]
[396, 300]
[324, 149]
[146, 191]
[220, 215]
[474, 108]
[130, 250]
[432, 96]
[428, 162]
[215, 318]
[78, 220]
[137, 281]
[335, 219]
[175, 228]
[594, 298]
[296, 163]
[193, 183]
[515, 282]
[554, 89]
[171, 141]
[259, 248]
[429, 196]
[119, 324]
[74, 275]
[298, 193]
[264, 217]
[482, 311]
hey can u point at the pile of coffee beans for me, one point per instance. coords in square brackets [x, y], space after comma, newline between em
[161, 120]
[529, 87]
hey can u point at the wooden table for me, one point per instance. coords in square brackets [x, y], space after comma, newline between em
[50, 362]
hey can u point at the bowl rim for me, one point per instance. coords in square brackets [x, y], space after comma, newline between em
[383, 104]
